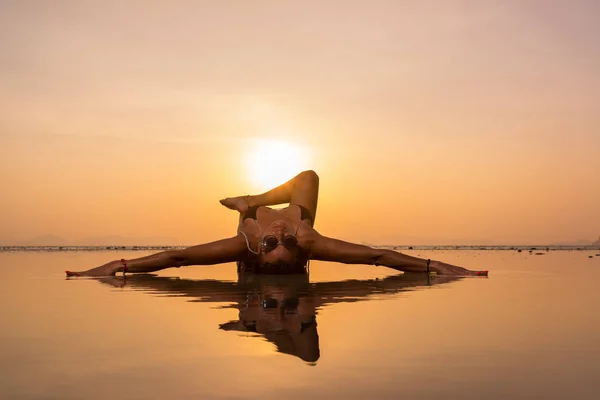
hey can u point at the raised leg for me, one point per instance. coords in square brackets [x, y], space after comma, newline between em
[302, 190]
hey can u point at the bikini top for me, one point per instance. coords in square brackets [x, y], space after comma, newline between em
[248, 265]
[304, 213]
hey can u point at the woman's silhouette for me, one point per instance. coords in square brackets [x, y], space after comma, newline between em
[277, 241]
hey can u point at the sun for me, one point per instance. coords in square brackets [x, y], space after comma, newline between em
[269, 163]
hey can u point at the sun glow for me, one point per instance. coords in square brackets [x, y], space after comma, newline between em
[270, 163]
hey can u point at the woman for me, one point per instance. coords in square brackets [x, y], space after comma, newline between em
[277, 241]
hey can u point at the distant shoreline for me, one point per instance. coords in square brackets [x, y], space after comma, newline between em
[394, 247]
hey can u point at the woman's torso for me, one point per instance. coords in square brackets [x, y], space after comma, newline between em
[257, 220]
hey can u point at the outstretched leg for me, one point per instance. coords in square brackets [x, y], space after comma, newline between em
[302, 190]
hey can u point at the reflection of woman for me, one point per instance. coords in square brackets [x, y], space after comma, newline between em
[281, 308]
[277, 241]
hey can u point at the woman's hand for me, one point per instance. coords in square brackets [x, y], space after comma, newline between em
[446, 269]
[108, 269]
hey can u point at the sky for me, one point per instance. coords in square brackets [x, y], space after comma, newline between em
[428, 122]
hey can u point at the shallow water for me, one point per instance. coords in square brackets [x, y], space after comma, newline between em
[530, 330]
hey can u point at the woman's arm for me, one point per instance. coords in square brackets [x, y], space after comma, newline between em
[221, 251]
[328, 249]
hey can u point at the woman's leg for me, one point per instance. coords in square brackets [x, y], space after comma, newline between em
[302, 190]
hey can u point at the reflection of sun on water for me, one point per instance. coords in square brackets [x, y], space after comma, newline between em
[270, 163]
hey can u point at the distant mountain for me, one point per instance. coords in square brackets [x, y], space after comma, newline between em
[116, 240]
[45, 240]
[110, 240]
[597, 242]
[8, 240]
[580, 242]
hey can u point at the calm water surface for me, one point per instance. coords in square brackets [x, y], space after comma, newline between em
[530, 330]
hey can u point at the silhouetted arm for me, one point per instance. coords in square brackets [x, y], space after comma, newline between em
[328, 249]
[220, 251]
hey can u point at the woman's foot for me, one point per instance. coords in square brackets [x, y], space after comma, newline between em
[236, 203]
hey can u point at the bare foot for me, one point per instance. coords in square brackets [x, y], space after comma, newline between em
[236, 203]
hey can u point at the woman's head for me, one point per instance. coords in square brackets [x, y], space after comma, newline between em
[279, 249]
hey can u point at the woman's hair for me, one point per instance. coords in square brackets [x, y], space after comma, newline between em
[254, 264]
[280, 265]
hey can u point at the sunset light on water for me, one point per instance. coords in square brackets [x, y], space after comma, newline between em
[319, 199]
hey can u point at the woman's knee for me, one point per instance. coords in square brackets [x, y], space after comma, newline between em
[309, 175]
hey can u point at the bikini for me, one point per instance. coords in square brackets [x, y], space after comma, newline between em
[304, 213]
[251, 266]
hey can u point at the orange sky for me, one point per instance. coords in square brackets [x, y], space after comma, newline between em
[429, 122]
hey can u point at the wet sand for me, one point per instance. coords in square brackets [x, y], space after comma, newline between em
[530, 330]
